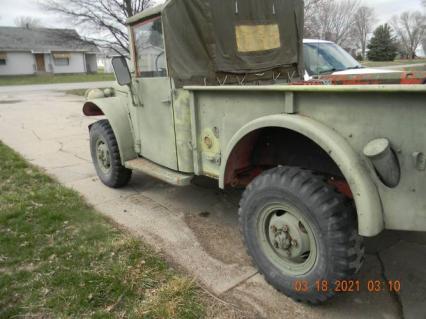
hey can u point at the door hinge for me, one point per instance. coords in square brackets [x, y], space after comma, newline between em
[167, 100]
[138, 146]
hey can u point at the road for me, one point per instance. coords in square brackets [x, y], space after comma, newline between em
[53, 87]
[196, 227]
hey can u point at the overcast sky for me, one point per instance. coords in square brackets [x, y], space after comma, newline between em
[11, 9]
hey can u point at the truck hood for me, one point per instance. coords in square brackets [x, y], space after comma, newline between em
[375, 76]
[365, 71]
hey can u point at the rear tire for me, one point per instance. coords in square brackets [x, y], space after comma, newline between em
[106, 156]
[300, 232]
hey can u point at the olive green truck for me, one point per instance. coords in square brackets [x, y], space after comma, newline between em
[209, 93]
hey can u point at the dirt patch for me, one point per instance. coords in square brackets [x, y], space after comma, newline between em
[222, 241]
[10, 101]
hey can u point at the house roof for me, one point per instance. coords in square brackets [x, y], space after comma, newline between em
[43, 40]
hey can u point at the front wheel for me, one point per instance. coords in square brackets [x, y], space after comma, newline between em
[106, 156]
[300, 232]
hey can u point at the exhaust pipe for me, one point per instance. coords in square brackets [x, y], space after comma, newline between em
[384, 160]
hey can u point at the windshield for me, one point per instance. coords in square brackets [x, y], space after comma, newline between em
[323, 58]
[149, 48]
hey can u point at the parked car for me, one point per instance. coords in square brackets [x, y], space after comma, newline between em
[322, 165]
[325, 60]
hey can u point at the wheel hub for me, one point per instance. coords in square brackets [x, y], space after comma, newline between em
[103, 156]
[288, 236]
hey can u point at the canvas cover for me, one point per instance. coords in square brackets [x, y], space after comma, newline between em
[208, 38]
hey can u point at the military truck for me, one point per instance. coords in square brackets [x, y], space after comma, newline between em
[322, 167]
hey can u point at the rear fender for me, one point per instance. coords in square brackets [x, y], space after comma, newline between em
[116, 112]
[366, 195]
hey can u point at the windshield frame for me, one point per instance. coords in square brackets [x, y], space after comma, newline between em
[140, 73]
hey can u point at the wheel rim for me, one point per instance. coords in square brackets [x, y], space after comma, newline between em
[287, 239]
[103, 155]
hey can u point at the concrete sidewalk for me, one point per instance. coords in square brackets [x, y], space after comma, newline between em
[196, 227]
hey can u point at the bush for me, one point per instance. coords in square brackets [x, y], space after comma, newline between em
[359, 57]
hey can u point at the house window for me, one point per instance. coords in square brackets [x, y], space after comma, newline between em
[149, 48]
[3, 58]
[61, 59]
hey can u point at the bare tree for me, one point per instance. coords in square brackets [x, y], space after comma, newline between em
[333, 20]
[342, 20]
[363, 25]
[311, 7]
[28, 22]
[104, 18]
[410, 28]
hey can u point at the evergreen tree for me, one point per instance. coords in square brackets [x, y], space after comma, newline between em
[382, 46]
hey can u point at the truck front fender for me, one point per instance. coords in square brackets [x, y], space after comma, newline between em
[366, 195]
[116, 112]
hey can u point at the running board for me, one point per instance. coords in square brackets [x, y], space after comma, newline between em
[164, 174]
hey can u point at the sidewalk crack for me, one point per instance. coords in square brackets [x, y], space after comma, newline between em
[241, 282]
[394, 295]
[61, 149]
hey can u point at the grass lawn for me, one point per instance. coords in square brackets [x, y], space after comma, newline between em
[61, 259]
[52, 79]
[396, 62]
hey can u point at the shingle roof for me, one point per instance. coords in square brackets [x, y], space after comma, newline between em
[42, 40]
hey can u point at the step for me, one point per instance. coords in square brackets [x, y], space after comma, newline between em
[164, 174]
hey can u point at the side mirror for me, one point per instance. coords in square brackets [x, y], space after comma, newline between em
[121, 70]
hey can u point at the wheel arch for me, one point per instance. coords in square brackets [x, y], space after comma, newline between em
[116, 112]
[365, 193]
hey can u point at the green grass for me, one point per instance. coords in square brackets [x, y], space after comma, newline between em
[392, 63]
[52, 79]
[61, 259]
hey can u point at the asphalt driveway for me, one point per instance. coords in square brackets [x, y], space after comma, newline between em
[196, 227]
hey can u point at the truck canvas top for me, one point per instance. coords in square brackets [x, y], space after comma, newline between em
[217, 38]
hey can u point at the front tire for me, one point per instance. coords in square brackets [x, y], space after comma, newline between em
[106, 156]
[299, 232]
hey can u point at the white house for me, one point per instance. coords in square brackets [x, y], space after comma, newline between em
[40, 50]
[105, 59]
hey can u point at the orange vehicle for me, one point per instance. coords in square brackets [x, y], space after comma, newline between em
[328, 63]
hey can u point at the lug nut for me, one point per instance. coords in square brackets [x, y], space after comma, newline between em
[276, 245]
[285, 228]
[294, 243]
[274, 229]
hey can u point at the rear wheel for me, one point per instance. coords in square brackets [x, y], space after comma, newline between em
[106, 156]
[301, 233]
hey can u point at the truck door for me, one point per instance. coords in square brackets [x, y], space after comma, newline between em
[153, 88]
